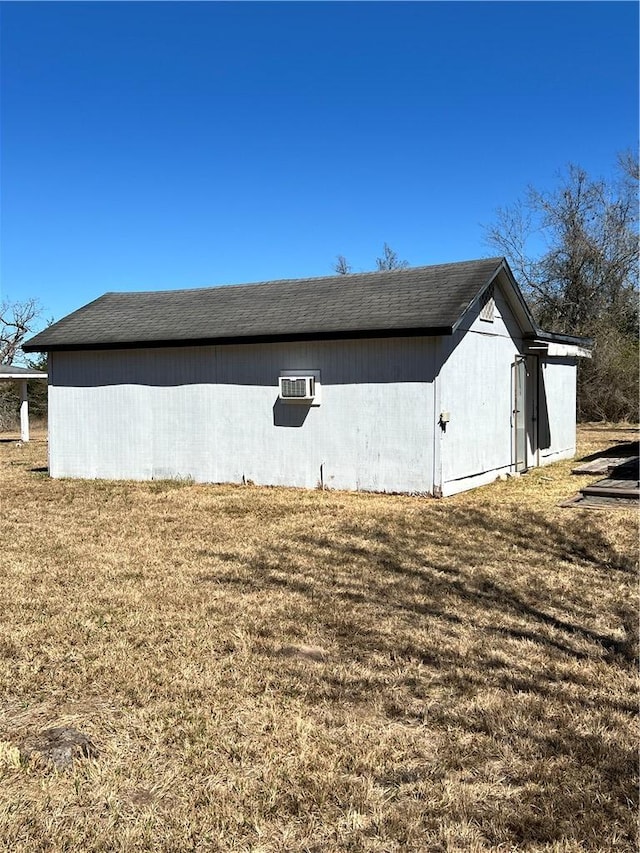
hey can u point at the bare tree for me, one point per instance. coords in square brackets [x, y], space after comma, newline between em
[342, 266]
[584, 279]
[16, 321]
[390, 260]
[628, 164]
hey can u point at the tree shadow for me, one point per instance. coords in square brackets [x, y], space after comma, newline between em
[621, 447]
[436, 572]
[541, 648]
[476, 625]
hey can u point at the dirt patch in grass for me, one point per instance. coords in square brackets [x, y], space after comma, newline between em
[274, 669]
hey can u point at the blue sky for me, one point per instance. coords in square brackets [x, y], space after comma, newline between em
[160, 145]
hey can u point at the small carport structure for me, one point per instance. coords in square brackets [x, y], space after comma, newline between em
[22, 375]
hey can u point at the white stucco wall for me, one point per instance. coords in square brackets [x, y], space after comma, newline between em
[212, 414]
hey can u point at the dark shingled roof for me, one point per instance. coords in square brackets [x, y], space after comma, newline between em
[427, 300]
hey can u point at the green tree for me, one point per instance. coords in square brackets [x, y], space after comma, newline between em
[574, 250]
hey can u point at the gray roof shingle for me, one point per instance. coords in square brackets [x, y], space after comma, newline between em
[430, 298]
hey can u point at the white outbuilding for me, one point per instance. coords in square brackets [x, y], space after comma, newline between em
[21, 376]
[427, 380]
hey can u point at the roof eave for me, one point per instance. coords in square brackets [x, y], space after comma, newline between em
[514, 297]
[14, 377]
[348, 334]
[487, 284]
[558, 337]
[517, 301]
[557, 345]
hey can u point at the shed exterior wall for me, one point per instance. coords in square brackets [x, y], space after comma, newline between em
[557, 409]
[476, 390]
[212, 413]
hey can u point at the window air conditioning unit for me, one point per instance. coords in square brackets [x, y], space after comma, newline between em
[297, 389]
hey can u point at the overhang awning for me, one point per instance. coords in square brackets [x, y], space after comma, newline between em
[556, 345]
[557, 350]
[13, 373]
[22, 375]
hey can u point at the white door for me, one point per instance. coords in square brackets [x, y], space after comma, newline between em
[519, 413]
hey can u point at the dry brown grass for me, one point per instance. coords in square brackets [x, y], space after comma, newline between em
[273, 669]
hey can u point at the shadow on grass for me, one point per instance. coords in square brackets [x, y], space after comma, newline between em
[622, 447]
[437, 571]
[429, 627]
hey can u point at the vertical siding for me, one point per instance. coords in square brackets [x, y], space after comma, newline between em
[212, 413]
[533, 374]
[558, 397]
[475, 388]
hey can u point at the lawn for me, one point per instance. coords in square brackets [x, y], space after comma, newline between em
[284, 670]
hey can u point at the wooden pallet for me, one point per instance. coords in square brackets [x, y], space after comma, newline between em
[599, 502]
[621, 489]
[610, 488]
[603, 464]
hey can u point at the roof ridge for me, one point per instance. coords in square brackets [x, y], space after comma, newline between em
[429, 299]
[271, 281]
